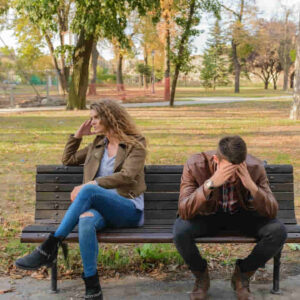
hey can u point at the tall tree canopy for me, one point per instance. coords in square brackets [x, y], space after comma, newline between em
[89, 20]
[188, 17]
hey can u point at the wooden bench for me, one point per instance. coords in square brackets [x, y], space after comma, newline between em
[54, 183]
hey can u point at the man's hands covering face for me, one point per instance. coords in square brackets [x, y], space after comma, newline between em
[223, 174]
[246, 179]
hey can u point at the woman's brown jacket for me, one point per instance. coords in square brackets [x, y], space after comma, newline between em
[128, 177]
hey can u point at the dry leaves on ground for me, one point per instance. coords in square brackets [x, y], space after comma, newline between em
[10, 290]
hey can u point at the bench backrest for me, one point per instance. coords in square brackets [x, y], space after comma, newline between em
[54, 184]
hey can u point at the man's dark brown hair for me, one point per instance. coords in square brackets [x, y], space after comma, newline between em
[233, 149]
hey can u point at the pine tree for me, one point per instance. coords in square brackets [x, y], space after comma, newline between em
[215, 65]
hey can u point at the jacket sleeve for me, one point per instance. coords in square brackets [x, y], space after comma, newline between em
[264, 201]
[132, 166]
[192, 199]
[72, 157]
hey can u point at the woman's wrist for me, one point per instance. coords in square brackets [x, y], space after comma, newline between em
[77, 136]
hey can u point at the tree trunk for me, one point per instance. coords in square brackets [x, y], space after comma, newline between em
[80, 76]
[292, 77]
[274, 77]
[146, 65]
[237, 67]
[141, 80]
[63, 63]
[61, 74]
[183, 41]
[294, 113]
[120, 82]
[95, 55]
[285, 53]
[167, 63]
[174, 83]
[266, 84]
[285, 78]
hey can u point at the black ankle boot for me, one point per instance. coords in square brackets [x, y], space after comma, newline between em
[43, 255]
[92, 287]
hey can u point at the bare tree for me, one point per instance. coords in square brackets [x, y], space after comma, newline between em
[286, 59]
[238, 15]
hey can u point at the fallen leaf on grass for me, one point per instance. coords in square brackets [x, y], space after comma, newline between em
[15, 276]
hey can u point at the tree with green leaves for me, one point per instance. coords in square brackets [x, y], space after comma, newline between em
[187, 18]
[47, 20]
[92, 19]
[4, 6]
[214, 69]
[148, 33]
[144, 71]
[168, 8]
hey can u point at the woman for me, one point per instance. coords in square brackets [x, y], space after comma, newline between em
[112, 193]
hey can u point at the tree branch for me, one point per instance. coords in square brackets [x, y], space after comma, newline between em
[230, 10]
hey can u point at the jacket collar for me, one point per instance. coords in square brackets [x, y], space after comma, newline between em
[103, 141]
[121, 153]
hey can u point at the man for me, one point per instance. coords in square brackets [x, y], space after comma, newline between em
[226, 188]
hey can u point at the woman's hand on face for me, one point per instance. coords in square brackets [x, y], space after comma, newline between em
[84, 129]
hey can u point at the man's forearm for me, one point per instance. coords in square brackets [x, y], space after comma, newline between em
[252, 188]
[206, 191]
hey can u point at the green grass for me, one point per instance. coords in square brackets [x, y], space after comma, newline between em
[245, 92]
[173, 134]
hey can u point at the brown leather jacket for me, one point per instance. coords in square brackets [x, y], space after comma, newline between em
[200, 167]
[128, 177]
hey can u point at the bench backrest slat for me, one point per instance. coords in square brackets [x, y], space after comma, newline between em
[54, 184]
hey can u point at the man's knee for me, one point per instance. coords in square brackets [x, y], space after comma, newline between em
[181, 231]
[276, 231]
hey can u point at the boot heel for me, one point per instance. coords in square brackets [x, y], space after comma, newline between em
[53, 263]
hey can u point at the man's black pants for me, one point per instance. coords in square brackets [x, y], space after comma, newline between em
[271, 235]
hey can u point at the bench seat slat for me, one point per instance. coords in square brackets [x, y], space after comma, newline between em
[149, 214]
[146, 228]
[150, 238]
[153, 221]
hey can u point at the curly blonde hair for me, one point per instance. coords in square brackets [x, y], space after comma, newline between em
[114, 117]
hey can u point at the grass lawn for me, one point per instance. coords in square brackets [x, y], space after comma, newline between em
[245, 92]
[29, 139]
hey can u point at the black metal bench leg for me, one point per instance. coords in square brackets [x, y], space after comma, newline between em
[276, 271]
[54, 278]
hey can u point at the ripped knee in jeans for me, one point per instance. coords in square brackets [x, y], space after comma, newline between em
[86, 214]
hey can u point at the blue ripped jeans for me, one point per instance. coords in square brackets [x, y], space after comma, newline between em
[103, 208]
